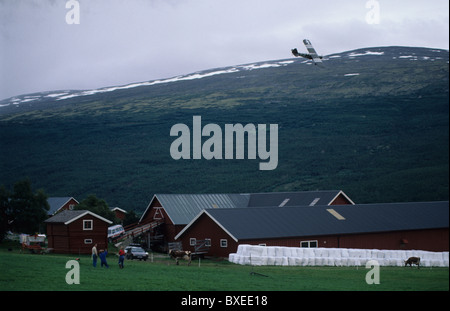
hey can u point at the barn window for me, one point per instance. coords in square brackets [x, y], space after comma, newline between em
[223, 243]
[87, 241]
[308, 244]
[207, 242]
[87, 224]
[192, 241]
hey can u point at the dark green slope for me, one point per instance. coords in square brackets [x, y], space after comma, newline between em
[372, 122]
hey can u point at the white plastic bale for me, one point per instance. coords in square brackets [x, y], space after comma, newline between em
[244, 260]
[344, 253]
[351, 253]
[255, 260]
[360, 253]
[337, 261]
[278, 251]
[242, 249]
[408, 254]
[318, 252]
[240, 259]
[377, 253]
[335, 253]
[231, 257]
[436, 256]
[436, 263]
[423, 263]
[261, 255]
[235, 259]
[297, 252]
[287, 252]
[389, 254]
[264, 261]
[330, 261]
[255, 250]
[239, 249]
[351, 262]
[264, 251]
[397, 254]
[270, 251]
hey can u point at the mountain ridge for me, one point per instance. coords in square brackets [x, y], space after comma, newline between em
[66, 94]
[372, 122]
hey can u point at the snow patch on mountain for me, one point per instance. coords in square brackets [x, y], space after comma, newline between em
[393, 53]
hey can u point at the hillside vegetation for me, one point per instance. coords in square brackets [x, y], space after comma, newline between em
[373, 122]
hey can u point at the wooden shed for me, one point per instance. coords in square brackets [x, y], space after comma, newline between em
[395, 226]
[76, 232]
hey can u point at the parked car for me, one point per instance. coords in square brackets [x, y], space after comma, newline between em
[136, 252]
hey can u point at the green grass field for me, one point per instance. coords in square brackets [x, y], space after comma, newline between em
[32, 272]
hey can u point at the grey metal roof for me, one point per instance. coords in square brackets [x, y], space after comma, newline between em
[65, 216]
[293, 198]
[276, 222]
[68, 216]
[182, 208]
[56, 203]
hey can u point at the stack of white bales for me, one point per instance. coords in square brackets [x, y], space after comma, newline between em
[296, 256]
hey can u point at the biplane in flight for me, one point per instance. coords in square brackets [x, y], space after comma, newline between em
[312, 53]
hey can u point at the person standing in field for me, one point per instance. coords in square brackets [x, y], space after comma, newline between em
[121, 257]
[102, 256]
[94, 255]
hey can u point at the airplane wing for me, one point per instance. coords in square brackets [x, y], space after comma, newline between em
[312, 52]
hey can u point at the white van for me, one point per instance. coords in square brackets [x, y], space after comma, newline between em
[115, 231]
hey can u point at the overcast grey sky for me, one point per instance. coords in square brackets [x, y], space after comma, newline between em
[119, 42]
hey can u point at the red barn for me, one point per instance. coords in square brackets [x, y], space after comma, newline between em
[175, 211]
[76, 232]
[120, 213]
[59, 204]
[395, 226]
